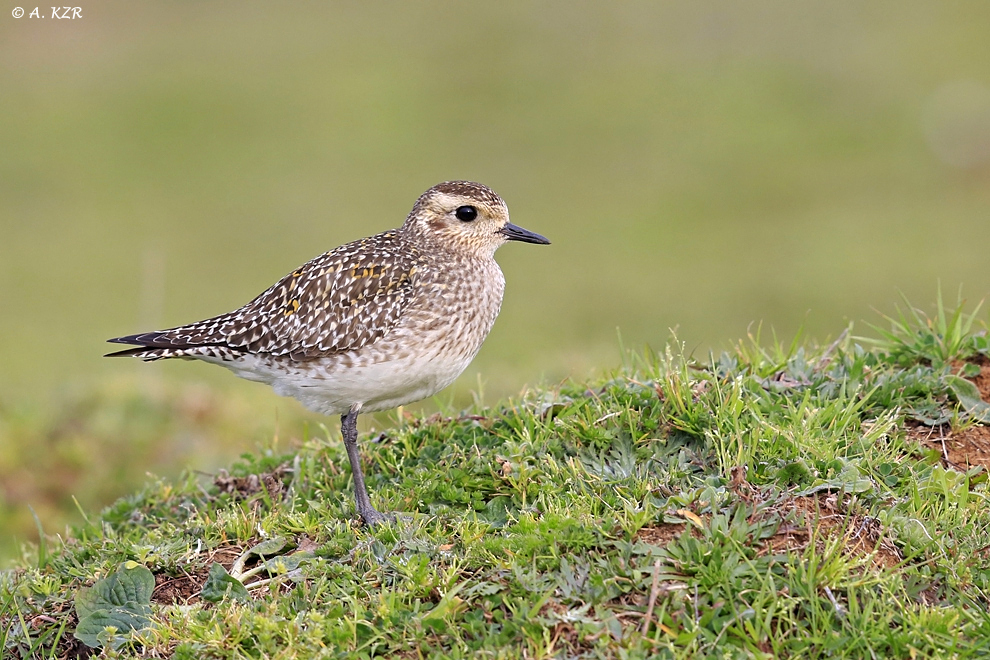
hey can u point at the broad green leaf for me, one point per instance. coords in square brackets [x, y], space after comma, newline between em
[969, 398]
[219, 584]
[121, 601]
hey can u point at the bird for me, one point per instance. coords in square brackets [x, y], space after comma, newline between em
[371, 325]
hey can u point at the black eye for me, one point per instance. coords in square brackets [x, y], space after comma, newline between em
[466, 213]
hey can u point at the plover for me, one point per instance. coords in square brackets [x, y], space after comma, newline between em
[371, 325]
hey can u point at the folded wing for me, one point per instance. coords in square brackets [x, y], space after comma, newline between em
[340, 301]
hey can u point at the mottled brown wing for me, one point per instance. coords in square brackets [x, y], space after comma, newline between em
[340, 301]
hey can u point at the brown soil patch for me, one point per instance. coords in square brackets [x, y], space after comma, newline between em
[963, 449]
[661, 535]
[960, 450]
[179, 590]
[821, 518]
[565, 635]
[184, 589]
[273, 482]
[814, 519]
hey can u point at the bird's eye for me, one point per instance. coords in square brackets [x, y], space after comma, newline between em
[466, 213]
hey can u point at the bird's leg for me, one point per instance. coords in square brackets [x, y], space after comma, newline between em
[348, 428]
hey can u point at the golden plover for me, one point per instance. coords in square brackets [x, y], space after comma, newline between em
[371, 325]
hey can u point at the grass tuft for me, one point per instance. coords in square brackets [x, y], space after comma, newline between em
[940, 339]
[791, 501]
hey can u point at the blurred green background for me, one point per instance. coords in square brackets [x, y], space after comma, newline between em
[702, 166]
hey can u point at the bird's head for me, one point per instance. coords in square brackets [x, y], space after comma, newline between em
[467, 217]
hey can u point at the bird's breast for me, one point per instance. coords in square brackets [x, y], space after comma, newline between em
[457, 308]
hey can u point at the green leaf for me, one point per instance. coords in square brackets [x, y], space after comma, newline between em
[448, 604]
[969, 398]
[287, 563]
[849, 480]
[795, 473]
[121, 601]
[219, 584]
[971, 370]
[269, 547]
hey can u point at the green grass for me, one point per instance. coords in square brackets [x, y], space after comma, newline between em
[765, 502]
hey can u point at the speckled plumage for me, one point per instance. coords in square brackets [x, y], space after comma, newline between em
[335, 304]
[370, 325]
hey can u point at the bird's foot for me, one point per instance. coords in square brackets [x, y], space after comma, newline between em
[372, 517]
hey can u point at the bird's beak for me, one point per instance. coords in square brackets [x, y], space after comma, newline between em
[514, 233]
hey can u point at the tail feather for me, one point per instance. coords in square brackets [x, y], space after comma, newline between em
[130, 352]
[163, 345]
[147, 339]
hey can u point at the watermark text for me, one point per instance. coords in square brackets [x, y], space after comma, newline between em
[56, 12]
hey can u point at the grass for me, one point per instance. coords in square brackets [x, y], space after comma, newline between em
[766, 502]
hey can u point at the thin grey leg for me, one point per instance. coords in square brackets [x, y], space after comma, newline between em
[348, 428]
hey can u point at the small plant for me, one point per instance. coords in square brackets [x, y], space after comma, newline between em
[915, 337]
[115, 606]
[220, 584]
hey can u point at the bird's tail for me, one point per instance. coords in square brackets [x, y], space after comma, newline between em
[153, 346]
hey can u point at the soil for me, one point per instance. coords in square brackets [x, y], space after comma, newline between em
[178, 590]
[964, 448]
[817, 519]
[273, 482]
[659, 535]
[184, 589]
[825, 518]
[960, 450]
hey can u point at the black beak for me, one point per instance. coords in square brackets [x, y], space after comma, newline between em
[514, 233]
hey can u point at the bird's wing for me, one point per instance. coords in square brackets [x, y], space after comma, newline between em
[340, 301]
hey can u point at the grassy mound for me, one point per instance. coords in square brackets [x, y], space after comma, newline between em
[799, 501]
